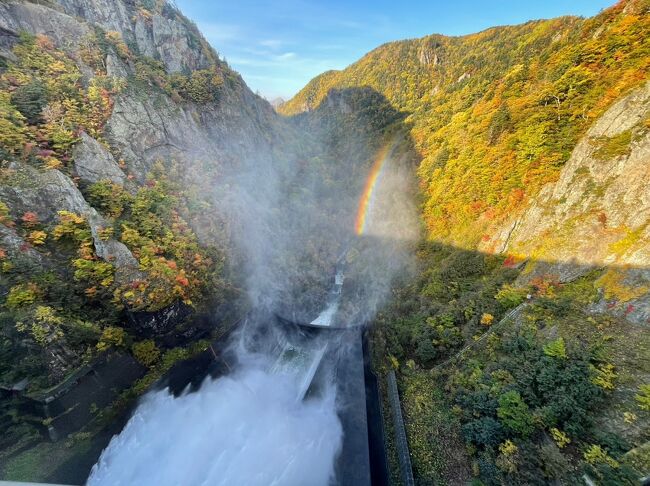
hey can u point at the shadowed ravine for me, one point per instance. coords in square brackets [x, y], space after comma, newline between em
[447, 240]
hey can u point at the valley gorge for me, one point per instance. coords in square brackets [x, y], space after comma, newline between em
[481, 204]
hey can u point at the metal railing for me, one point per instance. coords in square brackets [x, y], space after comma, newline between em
[403, 453]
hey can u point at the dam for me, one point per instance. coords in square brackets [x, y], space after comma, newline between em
[317, 351]
[297, 409]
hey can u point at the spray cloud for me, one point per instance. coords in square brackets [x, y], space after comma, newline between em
[297, 212]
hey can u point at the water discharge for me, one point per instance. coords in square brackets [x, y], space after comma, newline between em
[246, 428]
[264, 424]
[252, 427]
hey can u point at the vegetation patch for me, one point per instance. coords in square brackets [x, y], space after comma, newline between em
[608, 148]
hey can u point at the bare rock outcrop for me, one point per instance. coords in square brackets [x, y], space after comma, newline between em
[163, 37]
[598, 212]
[94, 163]
[48, 192]
[64, 30]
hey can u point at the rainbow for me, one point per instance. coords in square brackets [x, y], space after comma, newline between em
[366, 197]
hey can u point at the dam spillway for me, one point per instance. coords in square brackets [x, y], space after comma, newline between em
[284, 415]
[337, 352]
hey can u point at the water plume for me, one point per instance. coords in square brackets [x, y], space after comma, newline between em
[295, 241]
[245, 428]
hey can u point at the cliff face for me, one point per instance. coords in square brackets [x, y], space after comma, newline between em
[147, 125]
[598, 212]
[123, 133]
[160, 34]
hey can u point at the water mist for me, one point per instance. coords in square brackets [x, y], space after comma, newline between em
[295, 230]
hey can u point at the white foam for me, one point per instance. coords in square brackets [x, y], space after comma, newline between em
[245, 429]
[324, 319]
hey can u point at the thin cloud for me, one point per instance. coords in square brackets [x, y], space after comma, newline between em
[286, 56]
[272, 43]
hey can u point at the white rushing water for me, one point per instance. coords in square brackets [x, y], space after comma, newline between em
[250, 428]
[324, 319]
[244, 429]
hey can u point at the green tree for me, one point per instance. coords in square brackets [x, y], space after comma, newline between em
[146, 352]
[514, 413]
[30, 99]
[556, 349]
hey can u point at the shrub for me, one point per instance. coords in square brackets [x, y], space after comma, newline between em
[94, 271]
[146, 352]
[29, 219]
[603, 376]
[514, 413]
[643, 397]
[30, 99]
[21, 296]
[115, 39]
[108, 197]
[484, 431]
[596, 455]
[52, 163]
[612, 147]
[560, 438]
[556, 349]
[5, 217]
[106, 234]
[111, 336]
[201, 86]
[37, 237]
[507, 460]
[487, 319]
[13, 135]
[509, 296]
[71, 226]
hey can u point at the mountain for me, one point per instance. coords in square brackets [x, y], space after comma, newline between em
[148, 200]
[524, 338]
[496, 115]
[275, 102]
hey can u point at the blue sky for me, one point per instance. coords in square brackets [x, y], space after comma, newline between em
[279, 46]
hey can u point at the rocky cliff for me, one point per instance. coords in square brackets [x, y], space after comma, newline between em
[123, 132]
[597, 214]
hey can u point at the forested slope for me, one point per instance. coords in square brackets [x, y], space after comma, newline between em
[534, 146]
[496, 115]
